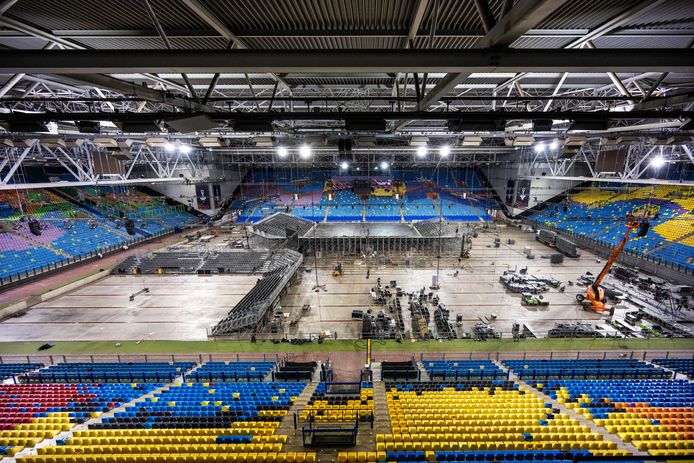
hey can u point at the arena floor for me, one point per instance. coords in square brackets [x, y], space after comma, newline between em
[183, 307]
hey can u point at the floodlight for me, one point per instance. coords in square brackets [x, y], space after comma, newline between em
[305, 152]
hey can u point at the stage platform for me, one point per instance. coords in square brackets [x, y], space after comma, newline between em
[376, 230]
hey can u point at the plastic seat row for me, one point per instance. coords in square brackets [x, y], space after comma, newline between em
[209, 405]
[684, 366]
[231, 371]
[8, 370]
[324, 407]
[479, 415]
[110, 372]
[585, 369]
[654, 414]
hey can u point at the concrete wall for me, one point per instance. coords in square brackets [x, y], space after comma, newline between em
[541, 188]
[37, 299]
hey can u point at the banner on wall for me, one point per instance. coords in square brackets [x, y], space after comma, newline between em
[510, 185]
[217, 194]
[522, 194]
[202, 194]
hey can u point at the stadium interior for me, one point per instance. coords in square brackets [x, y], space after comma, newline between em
[352, 231]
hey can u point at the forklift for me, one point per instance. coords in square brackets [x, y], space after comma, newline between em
[337, 269]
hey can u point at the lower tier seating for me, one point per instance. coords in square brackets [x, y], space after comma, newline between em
[208, 405]
[77, 372]
[31, 413]
[655, 415]
[326, 407]
[8, 370]
[684, 366]
[479, 416]
[232, 371]
[463, 369]
[251, 442]
[585, 369]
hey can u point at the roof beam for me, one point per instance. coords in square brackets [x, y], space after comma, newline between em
[339, 116]
[347, 61]
[6, 5]
[210, 18]
[69, 44]
[522, 17]
[167, 42]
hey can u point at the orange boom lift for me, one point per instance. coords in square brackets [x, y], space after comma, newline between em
[594, 299]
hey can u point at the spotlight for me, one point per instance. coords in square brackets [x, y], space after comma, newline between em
[553, 145]
[539, 148]
[384, 165]
[282, 152]
[445, 151]
[305, 152]
[422, 151]
[344, 165]
[658, 162]
[169, 146]
[185, 149]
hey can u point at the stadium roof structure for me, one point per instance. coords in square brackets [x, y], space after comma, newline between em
[251, 75]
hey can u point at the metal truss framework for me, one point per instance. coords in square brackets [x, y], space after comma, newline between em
[83, 164]
[637, 163]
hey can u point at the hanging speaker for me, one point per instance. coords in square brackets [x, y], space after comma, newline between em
[130, 226]
[643, 228]
[35, 227]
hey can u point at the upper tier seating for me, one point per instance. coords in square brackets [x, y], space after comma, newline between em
[684, 366]
[231, 371]
[8, 370]
[463, 369]
[585, 369]
[31, 413]
[208, 405]
[655, 415]
[158, 372]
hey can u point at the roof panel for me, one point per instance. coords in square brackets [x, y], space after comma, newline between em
[82, 14]
[329, 43]
[585, 14]
[276, 15]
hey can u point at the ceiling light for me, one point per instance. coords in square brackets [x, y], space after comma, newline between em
[658, 162]
[539, 148]
[169, 147]
[344, 165]
[444, 151]
[384, 165]
[553, 145]
[282, 152]
[422, 151]
[185, 149]
[305, 152]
